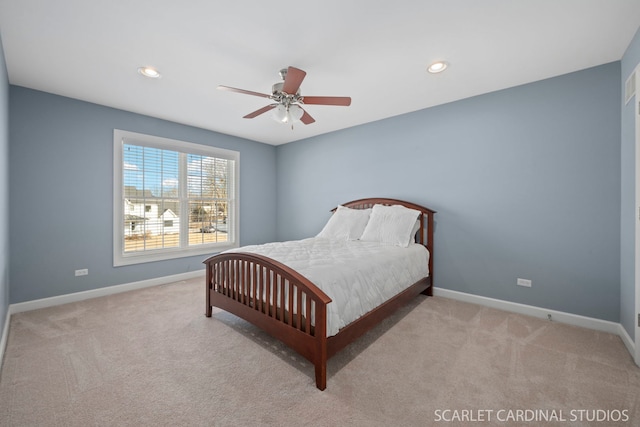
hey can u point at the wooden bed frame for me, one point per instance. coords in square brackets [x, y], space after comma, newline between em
[233, 278]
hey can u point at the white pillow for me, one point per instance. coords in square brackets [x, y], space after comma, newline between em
[346, 224]
[392, 225]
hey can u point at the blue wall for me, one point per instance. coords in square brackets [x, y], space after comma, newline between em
[61, 192]
[629, 62]
[4, 190]
[526, 182]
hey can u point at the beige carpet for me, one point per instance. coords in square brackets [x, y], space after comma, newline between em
[151, 357]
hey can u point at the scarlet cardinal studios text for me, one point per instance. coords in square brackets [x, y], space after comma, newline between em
[531, 415]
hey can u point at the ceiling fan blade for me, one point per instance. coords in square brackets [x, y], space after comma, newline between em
[246, 92]
[293, 80]
[327, 100]
[260, 111]
[306, 118]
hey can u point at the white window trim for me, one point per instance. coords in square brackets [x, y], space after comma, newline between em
[120, 258]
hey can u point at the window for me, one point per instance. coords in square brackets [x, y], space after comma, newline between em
[172, 199]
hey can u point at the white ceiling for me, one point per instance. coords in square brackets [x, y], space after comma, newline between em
[375, 51]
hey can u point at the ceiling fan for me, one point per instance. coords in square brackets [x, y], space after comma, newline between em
[287, 106]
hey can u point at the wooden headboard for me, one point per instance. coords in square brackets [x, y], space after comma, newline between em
[424, 235]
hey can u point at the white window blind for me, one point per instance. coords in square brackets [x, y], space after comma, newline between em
[172, 198]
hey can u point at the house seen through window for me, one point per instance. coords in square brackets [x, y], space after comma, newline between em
[172, 198]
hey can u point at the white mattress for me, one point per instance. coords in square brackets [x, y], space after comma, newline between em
[358, 276]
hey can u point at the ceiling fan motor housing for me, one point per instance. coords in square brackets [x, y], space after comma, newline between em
[277, 88]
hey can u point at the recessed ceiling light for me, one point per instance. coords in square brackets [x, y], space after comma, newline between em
[437, 67]
[149, 72]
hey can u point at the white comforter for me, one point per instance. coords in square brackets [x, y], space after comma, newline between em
[358, 276]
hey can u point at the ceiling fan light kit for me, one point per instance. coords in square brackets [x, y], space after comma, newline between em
[287, 114]
[288, 101]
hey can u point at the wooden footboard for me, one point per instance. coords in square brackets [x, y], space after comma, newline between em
[275, 298]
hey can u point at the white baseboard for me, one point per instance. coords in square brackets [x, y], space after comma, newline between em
[542, 313]
[5, 337]
[80, 296]
[529, 310]
[100, 292]
[626, 339]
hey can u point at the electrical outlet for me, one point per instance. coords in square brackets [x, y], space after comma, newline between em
[83, 272]
[524, 282]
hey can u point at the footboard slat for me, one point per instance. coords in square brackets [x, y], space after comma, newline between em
[292, 308]
[267, 299]
[260, 289]
[299, 304]
[254, 286]
[282, 296]
[244, 283]
[308, 319]
[241, 282]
